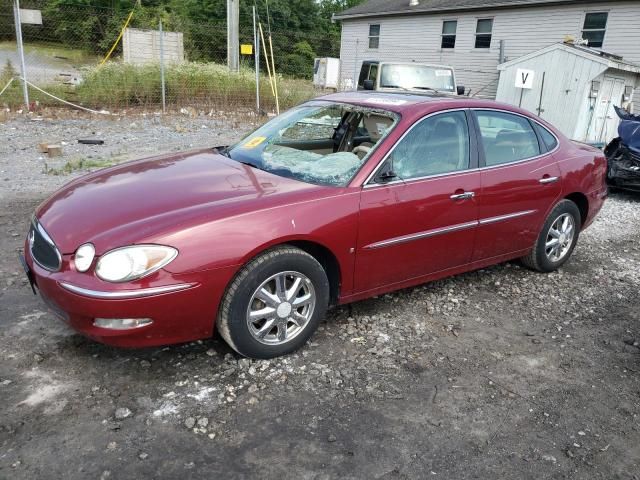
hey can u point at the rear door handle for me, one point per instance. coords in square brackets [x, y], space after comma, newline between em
[462, 196]
[546, 180]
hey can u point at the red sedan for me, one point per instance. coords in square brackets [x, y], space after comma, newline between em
[342, 198]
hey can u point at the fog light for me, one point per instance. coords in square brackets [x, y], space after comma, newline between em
[121, 323]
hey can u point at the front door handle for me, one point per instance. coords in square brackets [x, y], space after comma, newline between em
[462, 196]
[546, 180]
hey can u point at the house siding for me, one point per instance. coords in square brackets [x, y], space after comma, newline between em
[523, 30]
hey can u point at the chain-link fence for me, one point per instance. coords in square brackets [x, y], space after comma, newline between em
[64, 58]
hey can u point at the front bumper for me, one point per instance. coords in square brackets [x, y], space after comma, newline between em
[623, 167]
[183, 307]
[624, 175]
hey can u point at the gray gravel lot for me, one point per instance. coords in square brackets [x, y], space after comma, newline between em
[498, 373]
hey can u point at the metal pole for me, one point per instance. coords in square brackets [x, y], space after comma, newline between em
[355, 67]
[256, 53]
[23, 69]
[540, 109]
[521, 93]
[164, 102]
[233, 35]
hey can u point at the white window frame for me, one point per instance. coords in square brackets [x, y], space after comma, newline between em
[374, 36]
[584, 19]
[454, 35]
[475, 34]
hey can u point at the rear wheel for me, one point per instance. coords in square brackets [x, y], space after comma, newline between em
[557, 238]
[274, 304]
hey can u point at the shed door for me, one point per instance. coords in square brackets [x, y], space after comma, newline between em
[604, 125]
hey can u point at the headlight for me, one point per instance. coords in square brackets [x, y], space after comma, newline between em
[84, 257]
[130, 263]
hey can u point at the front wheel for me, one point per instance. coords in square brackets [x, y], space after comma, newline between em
[274, 304]
[557, 238]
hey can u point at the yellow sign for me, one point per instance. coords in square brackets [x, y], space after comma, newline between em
[246, 49]
[254, 142]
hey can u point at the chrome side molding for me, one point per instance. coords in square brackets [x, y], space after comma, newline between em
[120, 294]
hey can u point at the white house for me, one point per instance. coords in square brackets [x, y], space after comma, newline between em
[476, 36]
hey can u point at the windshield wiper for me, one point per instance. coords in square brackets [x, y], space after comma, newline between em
[223, 151]
[395, 86]
[425, 88]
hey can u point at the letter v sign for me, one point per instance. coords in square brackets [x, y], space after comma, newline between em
[524, 78]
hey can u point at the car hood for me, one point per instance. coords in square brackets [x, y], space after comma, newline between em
[133, 202]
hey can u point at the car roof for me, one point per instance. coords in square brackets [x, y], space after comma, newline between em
[404, 102]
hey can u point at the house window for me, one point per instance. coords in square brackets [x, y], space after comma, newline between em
[449, 28]
[374, 36]
[483, 32]
[595, 24]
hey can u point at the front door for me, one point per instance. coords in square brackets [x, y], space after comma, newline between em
[421, 218]
[520, 183]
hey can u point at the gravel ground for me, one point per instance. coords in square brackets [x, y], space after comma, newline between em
[25, 171]
[498, 373]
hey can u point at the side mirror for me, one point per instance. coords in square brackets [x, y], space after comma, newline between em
[386, 174]
[460, 90]
[369, 85]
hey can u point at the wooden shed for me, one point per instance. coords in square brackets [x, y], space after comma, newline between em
[573, 87]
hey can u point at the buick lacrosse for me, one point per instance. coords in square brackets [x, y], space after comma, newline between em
[344, 197]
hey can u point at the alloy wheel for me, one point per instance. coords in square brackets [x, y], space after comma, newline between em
[560, 237]
[281, 308]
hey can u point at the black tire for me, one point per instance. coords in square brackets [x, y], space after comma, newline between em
[232, 317]
[537, 259]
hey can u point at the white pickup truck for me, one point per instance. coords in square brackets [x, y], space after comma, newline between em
[409, 77]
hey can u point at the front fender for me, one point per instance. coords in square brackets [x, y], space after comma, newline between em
[331, 222]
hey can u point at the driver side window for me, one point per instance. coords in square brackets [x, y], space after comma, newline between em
[437, 145]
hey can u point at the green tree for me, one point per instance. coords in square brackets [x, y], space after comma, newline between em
[300, 62]
[300, 29]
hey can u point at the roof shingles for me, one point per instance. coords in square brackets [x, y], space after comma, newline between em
[376, 8]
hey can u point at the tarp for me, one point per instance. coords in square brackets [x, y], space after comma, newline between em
[629, 129]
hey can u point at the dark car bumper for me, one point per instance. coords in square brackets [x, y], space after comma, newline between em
[623, 166]
[178, 315]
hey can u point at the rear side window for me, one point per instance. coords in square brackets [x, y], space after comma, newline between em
[506, 137]
[368, 72]
[548, 138]
[373, 73]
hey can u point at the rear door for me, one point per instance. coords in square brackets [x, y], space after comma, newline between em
[422, 220]
[520, 182]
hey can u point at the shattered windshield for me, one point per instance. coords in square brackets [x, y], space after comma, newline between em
[320, 142]
[421, 77]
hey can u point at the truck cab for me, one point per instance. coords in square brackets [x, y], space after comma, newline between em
[411, 77]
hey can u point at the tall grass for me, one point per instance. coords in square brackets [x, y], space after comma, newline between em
[118, 85]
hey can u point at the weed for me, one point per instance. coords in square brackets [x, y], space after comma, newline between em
[76, 165]
[119, 85]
